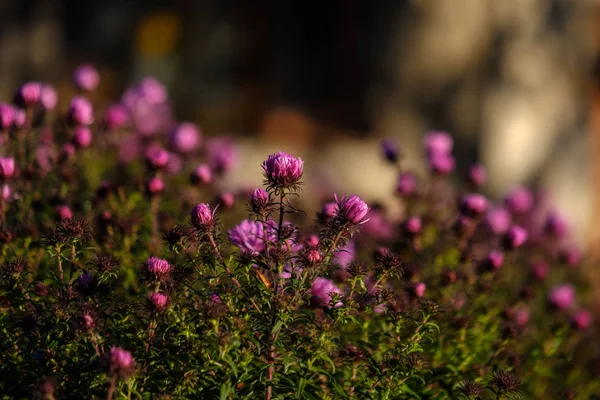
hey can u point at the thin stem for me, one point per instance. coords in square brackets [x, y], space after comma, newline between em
[111, 387]
[281, 213]
[60, 268]
[270, 372]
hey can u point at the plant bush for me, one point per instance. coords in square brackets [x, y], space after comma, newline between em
[126, 273]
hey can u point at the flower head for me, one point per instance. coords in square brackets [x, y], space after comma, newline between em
[81, 111]
[413, 225]
[157, 269]
[438, 142]
[202, 217]
[248, 236]
[418, 290]
[477, 175]
[155, 185]
[474, 204]
[157, 157]
[556, 225]
[515, 237]
[203, 174]
[441, 164]
[86, 77]
[185, 138]
[82, 136]
[282, 170]
[562, 296]
[221, 154]
[7, 167]
[259, 200]
[407, 184]
[48, 97]
[581, 320]
[116, 116]
[29, 94]
[7, 115]
[498, 220]
[157, 301]
[121, 362]
[322, 288]
[351, 209]
[519, 201]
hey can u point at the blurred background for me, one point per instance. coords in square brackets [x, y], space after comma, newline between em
[515, 81]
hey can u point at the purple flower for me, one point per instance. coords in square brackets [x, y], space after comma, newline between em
[19, 117]
[390, 150]
[203, 174]
[328, 211]
[155, 185]
[562, 296]
[477, 175]
[515, 237]
[351, 209]
[540, 271]
[474, 204]
[581, 320]
[29, 94]
[345, 255]
[495, 259]
[259, 200]
[64, 212]
[86, 77]
[121, 362]
[571, 256]
[157, 269]
[498, 220]
[7, 167]
[85, 281]
[157, 301]
[418, 290]
[438, 142]
[185, 138]
[312, 241]
[152, 91]
[116, 116]
[81, 111]
[202, 217]
[227, 199]
[413, 225]
[519, 201]
[556, 225]
[7, 114]
[283, 170]
[157, 157]
[221, 154]
[82, 136]
[322, 288]
[248, 236]
[407, 184]
[48, 97]
[521, 316]
[377, 226]
[441, 163]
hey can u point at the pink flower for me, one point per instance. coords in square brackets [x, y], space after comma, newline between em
[157, 301]
[202, 216]
[82, 136]
[419, 290]
[121, 362]
[157, 269]
[7, 167]
[582, 319]
[248, 236]
[185, 138]
[562, 296]
[438, 142]
[203, 174]
[322, 288]
[283, 170]
[351, 209]
[81, 111]
[86, 77]
[48, 97]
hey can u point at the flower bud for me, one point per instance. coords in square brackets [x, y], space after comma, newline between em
[413, 226]
[418, 290]
[202, 217]
[438, 142]
[203, 174]
[64, 212]
[29, 94]
[7, 115]
[515, 237]
[157, 269]
[7, 167]
[259, 200]
[477, 175]
[474, 205]
[227, 199]
[116, 116]
[519, 201]
[81, 111]
[82, 136]
[157, 301]
[407, 184]
[155, 185]
[121, 362]
[562, 296]
[185, 138]
[581, 320]
[48, 97]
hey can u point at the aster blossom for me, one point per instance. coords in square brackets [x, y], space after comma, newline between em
[121, 362]
[351, 209]
[282, 170]
[203, 218]
[323, 288]
[248, 236]
[157, 269]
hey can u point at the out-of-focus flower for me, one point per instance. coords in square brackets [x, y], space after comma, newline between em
[556, 225]
[248, 236]
[515, 237]
[519, 201]
[413, 226]
[157, 301]
[81, 111]
[203, 174]
[477, 175]
[86, 77]
[116, 116]
[185, 138]
[418, 290]
[157, 269]
[7, 167]
[407, 184]
[82, 136]
[390, 150]
[64, 212]
[474, 204]
[227, 199]
[582, 319]
[562, 296]
[345, 255]
[48, 97]
[7, 115]
[322, 288]
[155, 185]
[29, 94]
[498, 220]
[157, 157]
[121, 362]
[438, 142]
[441, 164]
